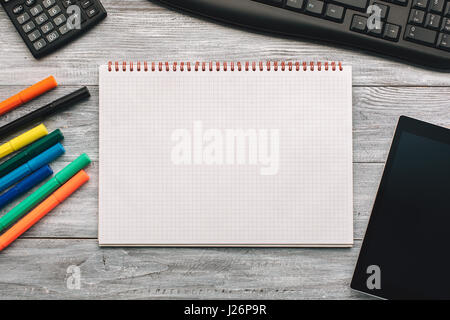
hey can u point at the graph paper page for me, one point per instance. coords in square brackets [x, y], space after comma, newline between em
[256, 158]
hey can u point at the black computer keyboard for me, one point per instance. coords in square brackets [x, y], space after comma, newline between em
[417, 31]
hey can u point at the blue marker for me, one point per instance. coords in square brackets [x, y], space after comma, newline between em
[25, 185]
[39, 161]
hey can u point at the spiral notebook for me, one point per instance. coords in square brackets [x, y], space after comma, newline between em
[225, 154]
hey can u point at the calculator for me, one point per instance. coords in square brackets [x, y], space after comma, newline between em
[46, 25]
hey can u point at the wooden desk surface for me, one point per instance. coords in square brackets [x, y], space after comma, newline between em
[35, 266]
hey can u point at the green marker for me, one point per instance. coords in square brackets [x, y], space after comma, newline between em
[40, 194]
[32, 151]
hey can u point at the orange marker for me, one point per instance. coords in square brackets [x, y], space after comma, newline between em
[45, 207]
[27, 94]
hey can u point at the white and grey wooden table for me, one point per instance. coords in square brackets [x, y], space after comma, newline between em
[35, 266]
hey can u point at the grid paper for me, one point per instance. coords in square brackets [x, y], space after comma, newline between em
[148, 200]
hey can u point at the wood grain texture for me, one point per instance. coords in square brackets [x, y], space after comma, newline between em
[35, 266]
[169, 273]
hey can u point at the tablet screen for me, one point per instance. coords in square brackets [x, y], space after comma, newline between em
[406, 250]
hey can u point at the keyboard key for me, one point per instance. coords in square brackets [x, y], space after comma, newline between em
[46, 28]
[59, 20]
[391, 32]
[433, 21]
[384, 10]
[335, 13]
[444, 41]
[54, 11]
[359, 24]
[87, 3]
[420, 35]
[52, 36]
[401, 2]
[447, 10]
[48, 3]
[28, 26]
[445, 25]
[420, 4]
[377, 32]
[38, 45]
[416, 17]
[68, 3]
[437, 6]
[23, 18]
[34, 35]
[294, 4]
[314, 7]
[30, 3]
[36, 10]
[91, 12]
[41, 19]
[18, 9]
[360, 5]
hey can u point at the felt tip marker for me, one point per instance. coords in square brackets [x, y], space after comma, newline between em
[39, 114]
[30, 152]
[25, 185]
[23, 140]
[34, 164]
[27, 94]
[36, 197]
[45, 207]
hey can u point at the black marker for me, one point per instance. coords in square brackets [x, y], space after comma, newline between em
[55, 106]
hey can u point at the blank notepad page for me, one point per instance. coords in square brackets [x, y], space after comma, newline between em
[225, 158]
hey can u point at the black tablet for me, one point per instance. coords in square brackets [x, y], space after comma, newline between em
[406, 250]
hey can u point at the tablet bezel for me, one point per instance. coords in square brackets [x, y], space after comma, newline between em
[405, 124]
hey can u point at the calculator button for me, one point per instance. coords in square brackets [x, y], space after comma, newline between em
[48, 3]
[30, 3]
[59, 20]
[36, 10]
[28, 26]
[18, 9]
[87, 3]
[23, 18]
[92, 12]
[54, 11]
[46, 28]
[52, 36]
[68, 3]
[64, 29]
[38, 45]
[34, 35]
[391, 32]
[41, 19]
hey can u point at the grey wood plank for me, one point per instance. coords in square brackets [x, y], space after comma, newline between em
[38, 269]
[376, 111]
[141, 29]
